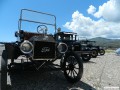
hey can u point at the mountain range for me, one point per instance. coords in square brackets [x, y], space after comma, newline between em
[107, 43]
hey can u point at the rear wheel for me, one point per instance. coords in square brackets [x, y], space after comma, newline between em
[94, 53]
[3, 77]
[86, 57]
[102, 51]
[73, 67]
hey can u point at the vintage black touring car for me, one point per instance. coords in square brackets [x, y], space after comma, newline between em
[70, 38]
[97, 49]
[38, 45]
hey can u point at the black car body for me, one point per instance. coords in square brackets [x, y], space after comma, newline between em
[70, 38]
[92, 46]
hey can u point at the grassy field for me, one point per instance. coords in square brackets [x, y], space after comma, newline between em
[109, 51]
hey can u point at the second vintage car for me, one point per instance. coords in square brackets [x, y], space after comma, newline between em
[70, 38]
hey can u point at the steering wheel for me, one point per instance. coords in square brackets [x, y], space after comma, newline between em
[42, 29]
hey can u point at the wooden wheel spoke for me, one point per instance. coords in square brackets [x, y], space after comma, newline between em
[68, 72]
[75, 71]
[76, 68]
[74, 63]
[73, 74]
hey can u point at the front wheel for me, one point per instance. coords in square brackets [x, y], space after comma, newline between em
[73, 67]
[3, 76]
[102, 51]
[94, 53]
[86, 57]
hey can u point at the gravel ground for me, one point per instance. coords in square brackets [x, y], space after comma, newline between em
[101, 73]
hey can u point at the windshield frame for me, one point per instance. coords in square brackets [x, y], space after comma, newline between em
[44, 23]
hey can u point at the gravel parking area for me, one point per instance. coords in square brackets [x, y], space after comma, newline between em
[101, 73]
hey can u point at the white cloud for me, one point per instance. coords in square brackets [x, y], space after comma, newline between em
[86, 27]
[107, 25]
[91, 9]
[110, 11]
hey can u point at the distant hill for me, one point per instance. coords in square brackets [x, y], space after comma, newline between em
[107, 43]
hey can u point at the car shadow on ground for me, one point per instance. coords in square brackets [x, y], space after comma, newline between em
[45, 79]
[90, 62]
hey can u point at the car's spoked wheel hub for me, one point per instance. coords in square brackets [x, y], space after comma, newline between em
[72, 67]
[94, 53]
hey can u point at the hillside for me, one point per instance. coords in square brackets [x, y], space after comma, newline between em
[107, 43]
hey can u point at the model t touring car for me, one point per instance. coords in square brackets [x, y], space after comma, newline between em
[38, 45]
[91, 44]
[70, 38]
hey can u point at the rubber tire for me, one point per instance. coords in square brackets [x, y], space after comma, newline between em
[4, 70]
[102, 52]
[80, 62]
[94, 56]
[86, 58]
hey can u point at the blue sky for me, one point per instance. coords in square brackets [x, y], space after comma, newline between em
[62, 9]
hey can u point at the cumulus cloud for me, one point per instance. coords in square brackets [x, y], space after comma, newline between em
[110, 11]
[91, 9]
[107, 25]
[86, 27]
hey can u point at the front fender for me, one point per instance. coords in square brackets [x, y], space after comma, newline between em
[13, 50]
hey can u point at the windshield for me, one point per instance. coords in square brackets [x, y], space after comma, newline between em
[30, 21]
[68, 37]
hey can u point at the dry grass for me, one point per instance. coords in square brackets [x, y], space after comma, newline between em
[109, 51]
